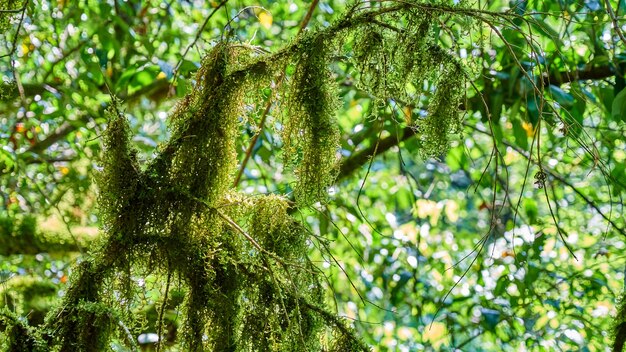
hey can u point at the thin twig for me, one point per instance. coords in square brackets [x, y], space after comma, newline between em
[616, 26]
[564, 181]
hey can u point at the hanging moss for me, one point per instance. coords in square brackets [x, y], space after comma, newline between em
[442, 118]
[311, 134]
[370, 59]
[241, 262]
[120, 177]
[178, 214]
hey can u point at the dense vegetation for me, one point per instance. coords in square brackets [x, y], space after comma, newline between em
[325, 175]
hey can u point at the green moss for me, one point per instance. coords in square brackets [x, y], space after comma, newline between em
[370, 58]
[311, 134]
[29, 296]
[16, 335]
[274, 229]
[619, 326]
[5, 17]
[442, 118]
[19, 234]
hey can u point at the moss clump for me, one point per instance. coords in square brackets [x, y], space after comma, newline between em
[370, 59]
[8, 7]
[619, 326]
[119, 179]
[395, 62]
[442, 118]
[275, 230]
[28, 296]
[19, 335]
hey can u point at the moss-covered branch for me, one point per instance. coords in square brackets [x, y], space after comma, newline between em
[242, 261]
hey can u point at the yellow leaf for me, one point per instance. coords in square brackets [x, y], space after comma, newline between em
[64, 170]
[528, 127]
[554, 323]
[161, 75]
[435, 334]
[424, 208]
[20, 127]
[25, 49]
[265, 18]
[408, 115]
[406, 333]
[452, 210]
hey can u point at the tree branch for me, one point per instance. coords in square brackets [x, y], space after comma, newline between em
[355, 161]
[63, 130]
[594, 74]
[47, 241]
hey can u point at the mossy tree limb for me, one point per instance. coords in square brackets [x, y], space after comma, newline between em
[242, 261]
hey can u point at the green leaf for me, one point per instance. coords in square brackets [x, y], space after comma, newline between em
[143, 78]
[501, 285]
[563, 98]
[618, 111]
[618, 173]
[122, 82]
[7, 161]
[491, 317]
[496, 106]
[532, 111]
[520, 134]
[454, 157]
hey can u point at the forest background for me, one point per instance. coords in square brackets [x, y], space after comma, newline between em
[504, 231]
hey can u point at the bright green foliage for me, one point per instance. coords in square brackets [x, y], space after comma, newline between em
[19, 234]
[9, 8]
[29, 296]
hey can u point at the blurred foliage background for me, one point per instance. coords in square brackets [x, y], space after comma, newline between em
[511, 240]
